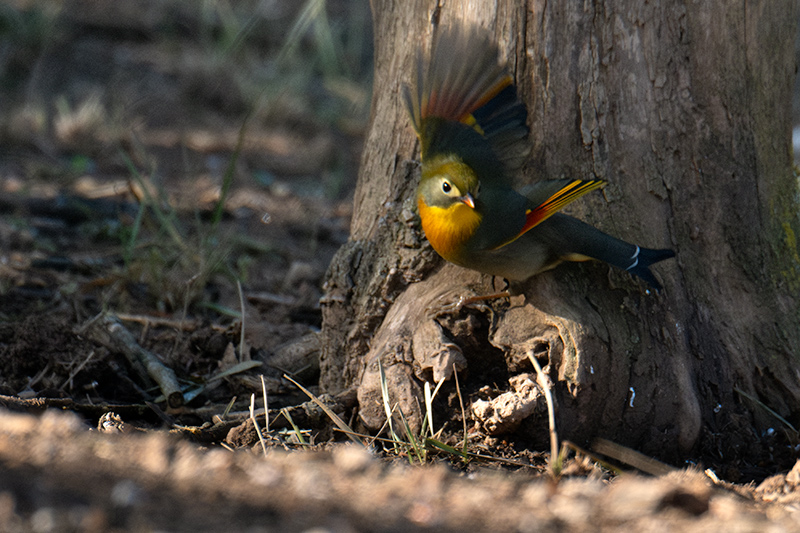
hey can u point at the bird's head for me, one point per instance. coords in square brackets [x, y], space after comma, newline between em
[448, 203]
[447, 182]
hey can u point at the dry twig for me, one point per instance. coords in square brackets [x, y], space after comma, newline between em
[108, 331]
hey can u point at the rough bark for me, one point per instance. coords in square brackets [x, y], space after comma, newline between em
[684, 110]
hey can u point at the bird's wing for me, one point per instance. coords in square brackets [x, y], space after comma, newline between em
[461, 81]
[548, 197]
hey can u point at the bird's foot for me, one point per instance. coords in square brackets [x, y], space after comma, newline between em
[477, 302]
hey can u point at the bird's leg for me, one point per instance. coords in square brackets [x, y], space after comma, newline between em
[464, 301]
[483, 298]
[506, 285]
[504, 293]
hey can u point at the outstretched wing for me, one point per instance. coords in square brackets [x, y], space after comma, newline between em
[462, 82]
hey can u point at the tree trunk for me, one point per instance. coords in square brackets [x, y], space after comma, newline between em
[684, 108]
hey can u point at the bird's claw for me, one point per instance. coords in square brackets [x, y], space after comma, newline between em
[476, 302]
[449, 308]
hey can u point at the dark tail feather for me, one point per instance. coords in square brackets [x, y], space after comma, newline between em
[573, 237]
[643, 258]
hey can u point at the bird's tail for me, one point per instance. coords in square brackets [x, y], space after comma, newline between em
[641, 260]
[578, 241]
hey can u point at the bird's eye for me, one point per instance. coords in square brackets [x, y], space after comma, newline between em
[446, 187]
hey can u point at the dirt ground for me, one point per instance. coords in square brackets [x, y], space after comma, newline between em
[127, 287]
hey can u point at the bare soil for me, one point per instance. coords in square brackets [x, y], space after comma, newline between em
[120, 127]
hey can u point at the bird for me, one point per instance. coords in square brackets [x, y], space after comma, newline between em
[473, 136]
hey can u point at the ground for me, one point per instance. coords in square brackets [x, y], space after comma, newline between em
[124, 278]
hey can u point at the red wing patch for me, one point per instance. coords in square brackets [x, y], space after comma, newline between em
[567, 194]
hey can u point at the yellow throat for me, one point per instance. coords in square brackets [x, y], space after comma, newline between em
[448, 228]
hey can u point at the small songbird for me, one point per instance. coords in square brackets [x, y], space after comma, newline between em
[473, 133]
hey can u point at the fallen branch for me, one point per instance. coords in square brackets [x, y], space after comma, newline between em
[39, 405]
[108, 331]
[180, 325]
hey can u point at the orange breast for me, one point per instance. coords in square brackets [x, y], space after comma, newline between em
[448, 228]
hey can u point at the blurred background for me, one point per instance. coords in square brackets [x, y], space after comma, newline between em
[187, 166]
[124, 124]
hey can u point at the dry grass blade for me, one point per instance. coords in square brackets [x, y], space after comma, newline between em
[333, 416]
[255, 423]
[593, 456]
[266, 406]
[769, 410]
[228, 407]
[244, 353]
[75, 372]
[463, 411]
[429, 396]
[180, 325]
[555, 458]
[236, 369]
[428, 409]
[296, 430]
[631, 457]
[386, 406]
